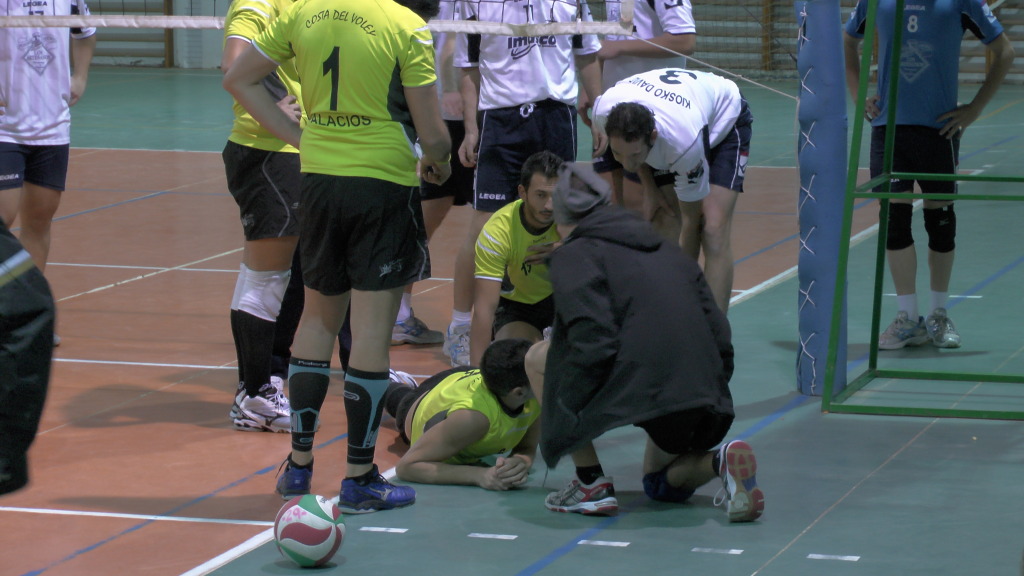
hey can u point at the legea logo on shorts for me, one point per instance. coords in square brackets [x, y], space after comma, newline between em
[487, 196]
[8, 176]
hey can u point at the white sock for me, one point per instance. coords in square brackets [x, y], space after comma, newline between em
[461, 318]
[939, 299]
[405, 309]
[908, 303]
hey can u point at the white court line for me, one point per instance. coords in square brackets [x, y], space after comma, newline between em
[134, 516]
[832, 557]
[247, 546]
[383, 529]
[731, 551]
[150, 274]
[492, 536]
[603, 543]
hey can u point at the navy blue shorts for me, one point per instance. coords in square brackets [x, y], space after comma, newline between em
[508, 136]
[266, 187]
[919, 150]
[45, 166]
[360, 233]
[460, 185]
[607, 163]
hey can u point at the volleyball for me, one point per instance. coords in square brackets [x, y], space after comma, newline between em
[309, 530]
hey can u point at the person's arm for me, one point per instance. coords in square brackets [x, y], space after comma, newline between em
[684, 44]
[589, 69]
[486, 295]
[82, 50]
[514, 470]
[432, 133]
[244, 80]
[425, 460]
[448, 75]
[469, 87]
[1001, 55]
[232, 48]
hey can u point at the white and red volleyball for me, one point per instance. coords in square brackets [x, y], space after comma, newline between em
[309, 530]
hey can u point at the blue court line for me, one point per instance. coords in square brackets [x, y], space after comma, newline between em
[170, 512]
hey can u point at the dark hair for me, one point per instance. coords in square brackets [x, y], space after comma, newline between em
[503, 365]
[630, 121]
[543, 162]
[426, 9]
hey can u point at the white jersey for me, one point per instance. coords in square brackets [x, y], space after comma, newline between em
[693, 112]
[519, 70]
[651, 18]
[35, 75]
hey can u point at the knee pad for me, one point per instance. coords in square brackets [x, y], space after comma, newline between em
[656, 487]
[899, 234]
[940, 223]
[260, 293]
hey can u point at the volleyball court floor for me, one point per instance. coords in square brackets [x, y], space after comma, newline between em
[136, 469]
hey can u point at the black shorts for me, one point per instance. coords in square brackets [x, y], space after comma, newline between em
[539, 315]
[360, 233]
[508, 136]
[694, 430]
[460, 185]
[920, 150]
[45, 166]
[266, 187]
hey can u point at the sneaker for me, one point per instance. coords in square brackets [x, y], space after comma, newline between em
[456, 345]
[597, 499]
[56, 340]
[414, 331]
[744, 501]
[268, 411]
[377, 494]
[903, 332]
[941, 330]
[293, 481]
[276, 381]
[403, 378]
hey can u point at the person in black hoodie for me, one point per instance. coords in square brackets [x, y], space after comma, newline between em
[637, 339]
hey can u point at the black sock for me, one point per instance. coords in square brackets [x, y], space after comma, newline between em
[394, 396]
[254, 341]
[366, 477]
[364, 409]
[292, 464]
[307, 388]
[588, 474]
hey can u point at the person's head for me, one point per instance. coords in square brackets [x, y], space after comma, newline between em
[503, 367]
[536, 183]
[579, 192]
[631, 133]
[426, 9]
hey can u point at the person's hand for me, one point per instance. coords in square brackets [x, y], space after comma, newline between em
[433, 172]
[506, 474]
[451, 104]
[77, 89]
[538, 253]
[957, 120]
[871, 109]
[290, 106]
[468, 149]
[584, 105]
[600, 140]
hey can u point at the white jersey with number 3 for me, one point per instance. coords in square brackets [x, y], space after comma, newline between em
[692, 110]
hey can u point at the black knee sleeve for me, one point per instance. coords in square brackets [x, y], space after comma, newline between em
[899, 234]
[940, 223]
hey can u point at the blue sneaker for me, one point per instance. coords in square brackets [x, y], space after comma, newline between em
[292, 481]
[377, 494]
[414, 331]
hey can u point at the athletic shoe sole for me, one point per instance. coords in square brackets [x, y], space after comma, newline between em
[746, 501]
[604, 507]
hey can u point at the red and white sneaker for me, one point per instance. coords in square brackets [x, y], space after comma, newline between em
[597, 499]
[744, 501]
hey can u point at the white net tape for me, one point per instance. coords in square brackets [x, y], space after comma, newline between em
[620, 25]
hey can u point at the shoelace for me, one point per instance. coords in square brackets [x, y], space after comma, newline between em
[721, 497]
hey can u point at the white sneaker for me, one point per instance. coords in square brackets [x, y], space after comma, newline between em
[903, 332]
[268, 411]
[456, 344]
[744, 501]
[941, 330]
[403, 378]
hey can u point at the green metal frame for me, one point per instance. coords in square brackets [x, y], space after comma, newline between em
[837, 401]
